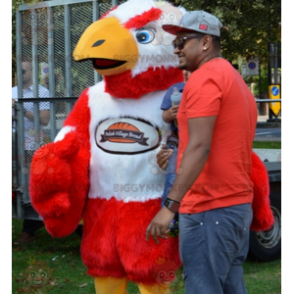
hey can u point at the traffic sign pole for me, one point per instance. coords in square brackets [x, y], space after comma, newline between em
[274, 93]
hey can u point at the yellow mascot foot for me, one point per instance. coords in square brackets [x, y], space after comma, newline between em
[154, 289]
[110, 285]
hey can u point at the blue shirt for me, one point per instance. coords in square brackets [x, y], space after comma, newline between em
[166, 103]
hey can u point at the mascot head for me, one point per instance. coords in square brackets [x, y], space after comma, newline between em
[130, 49]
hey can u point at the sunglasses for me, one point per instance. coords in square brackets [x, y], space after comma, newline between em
[180, 42]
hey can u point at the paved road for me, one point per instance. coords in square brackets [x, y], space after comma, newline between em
[267, 134]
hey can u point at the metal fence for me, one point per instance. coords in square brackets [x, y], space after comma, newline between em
[270, 102]
[30, 135]
[46, 35]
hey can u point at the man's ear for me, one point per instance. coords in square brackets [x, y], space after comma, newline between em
[206, 42]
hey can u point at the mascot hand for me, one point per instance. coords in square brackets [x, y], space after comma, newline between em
[51, 176]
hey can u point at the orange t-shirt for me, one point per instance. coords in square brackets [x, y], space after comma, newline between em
[217, 89]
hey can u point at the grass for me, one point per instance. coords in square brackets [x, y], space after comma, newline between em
[61, 261]
[67, 274]
[267, 145]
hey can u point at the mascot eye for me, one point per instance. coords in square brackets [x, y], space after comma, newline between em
[145, 36]
[43, 274]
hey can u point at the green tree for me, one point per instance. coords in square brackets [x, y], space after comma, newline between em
[14, 7]
[248, 25]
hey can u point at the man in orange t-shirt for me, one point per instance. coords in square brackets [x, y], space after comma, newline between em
[215, 90]
[213, 191]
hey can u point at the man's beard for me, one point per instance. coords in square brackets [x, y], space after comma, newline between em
[184, 66]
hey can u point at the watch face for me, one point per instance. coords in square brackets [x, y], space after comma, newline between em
[167, 202]
[172, 205]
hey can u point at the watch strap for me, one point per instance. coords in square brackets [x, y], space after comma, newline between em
[172, 204]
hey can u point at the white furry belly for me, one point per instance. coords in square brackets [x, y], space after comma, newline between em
[125, 136]
[127, 178]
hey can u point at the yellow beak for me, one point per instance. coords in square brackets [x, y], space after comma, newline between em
[111, 47]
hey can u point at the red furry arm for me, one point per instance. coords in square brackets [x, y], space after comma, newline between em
[59, 179]
[263, 217]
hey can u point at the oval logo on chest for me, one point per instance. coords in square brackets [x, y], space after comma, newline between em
[127, 135]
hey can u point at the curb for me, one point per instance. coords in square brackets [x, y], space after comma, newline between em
[268, 125]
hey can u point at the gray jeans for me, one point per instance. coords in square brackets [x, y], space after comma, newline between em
[213, 246]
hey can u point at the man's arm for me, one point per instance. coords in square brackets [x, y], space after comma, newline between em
[44, 116]
[194, 159]
[195, 155]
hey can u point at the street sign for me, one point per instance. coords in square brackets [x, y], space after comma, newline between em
[252, 67]
[275, 93]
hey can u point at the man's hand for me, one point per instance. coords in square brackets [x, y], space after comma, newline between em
[162, 157]
[159, 224]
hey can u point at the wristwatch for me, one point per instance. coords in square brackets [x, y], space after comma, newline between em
[172, 204]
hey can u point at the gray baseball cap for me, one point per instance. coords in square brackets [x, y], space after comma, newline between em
[199, 21]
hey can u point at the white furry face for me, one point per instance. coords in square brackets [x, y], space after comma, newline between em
[157, 53]
[154, 44]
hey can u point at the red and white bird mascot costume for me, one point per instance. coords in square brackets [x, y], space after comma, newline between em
[101, 167]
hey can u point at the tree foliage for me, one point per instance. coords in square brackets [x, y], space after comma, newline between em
[15, 5]
[248, 25]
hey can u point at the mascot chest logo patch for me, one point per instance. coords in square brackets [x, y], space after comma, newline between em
[127, 135]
